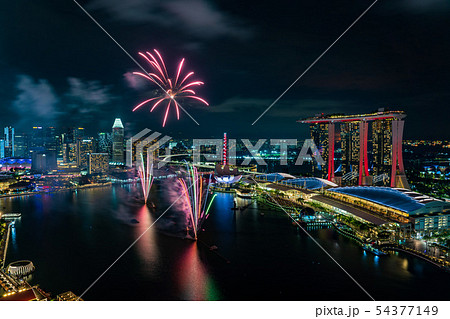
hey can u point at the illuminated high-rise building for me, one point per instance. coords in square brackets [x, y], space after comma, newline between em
[37, 140]
[98, 163]
[78, 134]
[67, 135]
[50, 143]
[85, 147]
[319, 134]
[104, 143]
[59, 146]
[350, 147]
[9, 141]
[70, 153]
[356, 165]
[382, 149]
[43, 161]
[142, 144]
[2, 148]
[21, 145]
[118, 142]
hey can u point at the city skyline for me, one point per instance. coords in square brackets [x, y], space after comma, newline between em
[226, 150]
[395, 64]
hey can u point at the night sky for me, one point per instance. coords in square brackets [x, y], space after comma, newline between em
[58, 68]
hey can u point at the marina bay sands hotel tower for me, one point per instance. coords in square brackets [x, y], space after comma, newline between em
[361, 149]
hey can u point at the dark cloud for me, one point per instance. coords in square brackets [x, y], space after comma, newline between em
[425, 6]
[85, 102]
[203, 20]
[82, 102]
[199, 18]
[36, 100]
[246, 52]
[293, 109]
[89, 92]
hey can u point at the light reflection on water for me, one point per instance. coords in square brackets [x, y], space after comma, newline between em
[73, 237]
[147, 246]
[192, 278]
[13, 236]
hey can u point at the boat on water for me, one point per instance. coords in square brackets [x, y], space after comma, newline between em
[373, 250]
[245, 195]
[11, 215]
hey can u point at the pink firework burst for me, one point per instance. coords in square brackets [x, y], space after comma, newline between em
[174, 88]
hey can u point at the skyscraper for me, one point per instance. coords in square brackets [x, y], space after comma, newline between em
[350, 146]
[70, 153]
[104, 144]
[9, 141]
[382, 148]
[140, 145]
[117, 142]
[21, 145]
[50, 139]
[98, 163]
[2, 148]
[85, 147]
[59, 146]
[78, 134]
[319, 134]
[43, 161]
[385, 143]
[37, 138]
[67, 135]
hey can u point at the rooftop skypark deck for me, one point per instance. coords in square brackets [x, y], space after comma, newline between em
[323, 118]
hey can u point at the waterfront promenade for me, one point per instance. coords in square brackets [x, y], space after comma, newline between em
[293, 207]
[437, 261]
[87, 186]
[5, 230]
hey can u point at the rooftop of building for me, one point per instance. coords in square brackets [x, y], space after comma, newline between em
[284, 188]
[15, 160]
[274, 177]
[397, 198]
[310, 183]
[359, 212]
[326, 118]
[20, 184]
[68, 296]
[25, 295]
[117, 123]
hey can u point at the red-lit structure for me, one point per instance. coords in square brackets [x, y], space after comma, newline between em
[331, 135]
[224, 151]
[398, 178]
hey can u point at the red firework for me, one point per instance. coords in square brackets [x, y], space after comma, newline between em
[173, 88]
